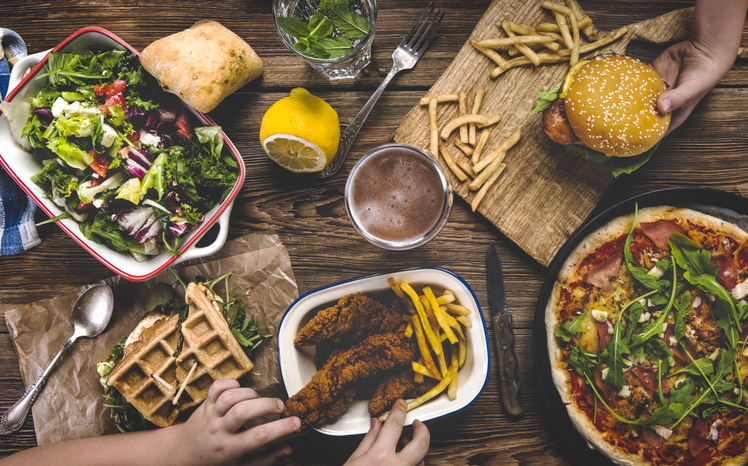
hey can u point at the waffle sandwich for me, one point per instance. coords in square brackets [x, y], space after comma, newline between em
[160, 383]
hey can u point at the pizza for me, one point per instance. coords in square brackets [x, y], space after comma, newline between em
[646, 329]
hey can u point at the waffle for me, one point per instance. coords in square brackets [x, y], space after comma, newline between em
[149, 377]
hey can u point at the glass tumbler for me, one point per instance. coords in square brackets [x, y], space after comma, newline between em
[347, 66]
[398, 196]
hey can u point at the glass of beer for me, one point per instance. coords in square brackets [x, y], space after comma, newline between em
[398, 196]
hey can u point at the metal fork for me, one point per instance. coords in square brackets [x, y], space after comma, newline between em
[404, 58]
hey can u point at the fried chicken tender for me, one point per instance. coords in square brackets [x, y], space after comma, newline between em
[375, 354]
[400, 385]
[352, 319]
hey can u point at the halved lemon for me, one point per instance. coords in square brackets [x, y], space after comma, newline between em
[300, 132]
[295, 154]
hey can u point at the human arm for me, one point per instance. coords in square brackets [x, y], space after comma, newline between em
[378, 447]
[693, 67]
[211, 435]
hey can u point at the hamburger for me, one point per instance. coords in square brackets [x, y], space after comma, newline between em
[163, 369]
[606, 111]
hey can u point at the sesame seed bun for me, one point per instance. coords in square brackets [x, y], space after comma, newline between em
[611, 106]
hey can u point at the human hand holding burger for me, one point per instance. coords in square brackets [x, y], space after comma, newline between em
[693, 67]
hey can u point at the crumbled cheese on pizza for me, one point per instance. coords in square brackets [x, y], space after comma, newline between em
[673, 340]
[604, 373]
[696, 302]
[679, 382]
[740, 290]
[625, 392]
[690, 331]
[656, 272]
[715, 355]
[600, 316]
[713, 431]
[664, 432]
[745, 351]
[644, 317]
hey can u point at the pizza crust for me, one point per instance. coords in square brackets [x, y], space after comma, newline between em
[569, 273]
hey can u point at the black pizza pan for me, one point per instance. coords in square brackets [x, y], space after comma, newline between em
[720, 204]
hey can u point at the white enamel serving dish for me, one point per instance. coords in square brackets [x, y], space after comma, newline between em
[297, 363]
[22, 165]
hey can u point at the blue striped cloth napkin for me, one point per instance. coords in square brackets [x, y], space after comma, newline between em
[17, 229]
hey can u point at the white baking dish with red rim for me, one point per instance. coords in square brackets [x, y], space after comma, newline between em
[21, 165]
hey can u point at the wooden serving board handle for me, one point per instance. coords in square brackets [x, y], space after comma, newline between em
[544, 194]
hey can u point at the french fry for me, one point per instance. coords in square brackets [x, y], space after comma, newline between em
[434, 128]
[432, 339]
[490, 53]
[408, 331]
[543, 57]
[463, 111]
[574, 33]
[418, 378]
[458, 309]
[498, 152]
[452, 387]
[512, 40]
[597, 44]
[529, 32]
[439, 98]
[430, 313]
[556, 8]
[423, 398]
[486, 186]
[428, 292]
[477, 101]
[478, 151]
[462, 357]
[480, 120]
[565, 33]
[400, 295]
[582, 22]
[423, 370]
[464, 321]
[447, 297]
[465, 166]
[423, 347]
[443, 365]
[532, 56]
[467, 150]
[456, 326]
[447, 156]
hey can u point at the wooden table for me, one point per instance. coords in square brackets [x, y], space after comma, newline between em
[309, 214]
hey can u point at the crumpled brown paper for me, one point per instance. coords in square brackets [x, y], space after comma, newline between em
[71, 404]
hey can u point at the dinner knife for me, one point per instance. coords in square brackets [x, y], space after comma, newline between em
[503, 334]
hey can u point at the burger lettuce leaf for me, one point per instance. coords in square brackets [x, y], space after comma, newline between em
[629, 165]
[546, 98]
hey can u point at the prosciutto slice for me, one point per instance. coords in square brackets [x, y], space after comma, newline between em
[677, 352]
[605, 337]
[651, 437]
[697, 441]
[598, 275]
[648, 377]
[659, 232]
[727, 274]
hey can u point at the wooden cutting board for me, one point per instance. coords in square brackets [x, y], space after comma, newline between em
[544, 194]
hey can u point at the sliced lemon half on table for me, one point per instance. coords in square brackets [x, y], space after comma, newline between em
[294, 153]
[300, 132]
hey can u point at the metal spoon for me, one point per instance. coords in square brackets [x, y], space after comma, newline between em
[90, 316]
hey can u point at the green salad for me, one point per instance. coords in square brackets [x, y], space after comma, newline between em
[126, 160]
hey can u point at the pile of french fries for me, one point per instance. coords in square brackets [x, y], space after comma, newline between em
[437, 323]
[547, 42]
[476, 163]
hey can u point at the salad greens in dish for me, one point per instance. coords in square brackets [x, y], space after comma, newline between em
[125, 159]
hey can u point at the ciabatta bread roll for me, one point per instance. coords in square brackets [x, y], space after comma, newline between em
[203, 64]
